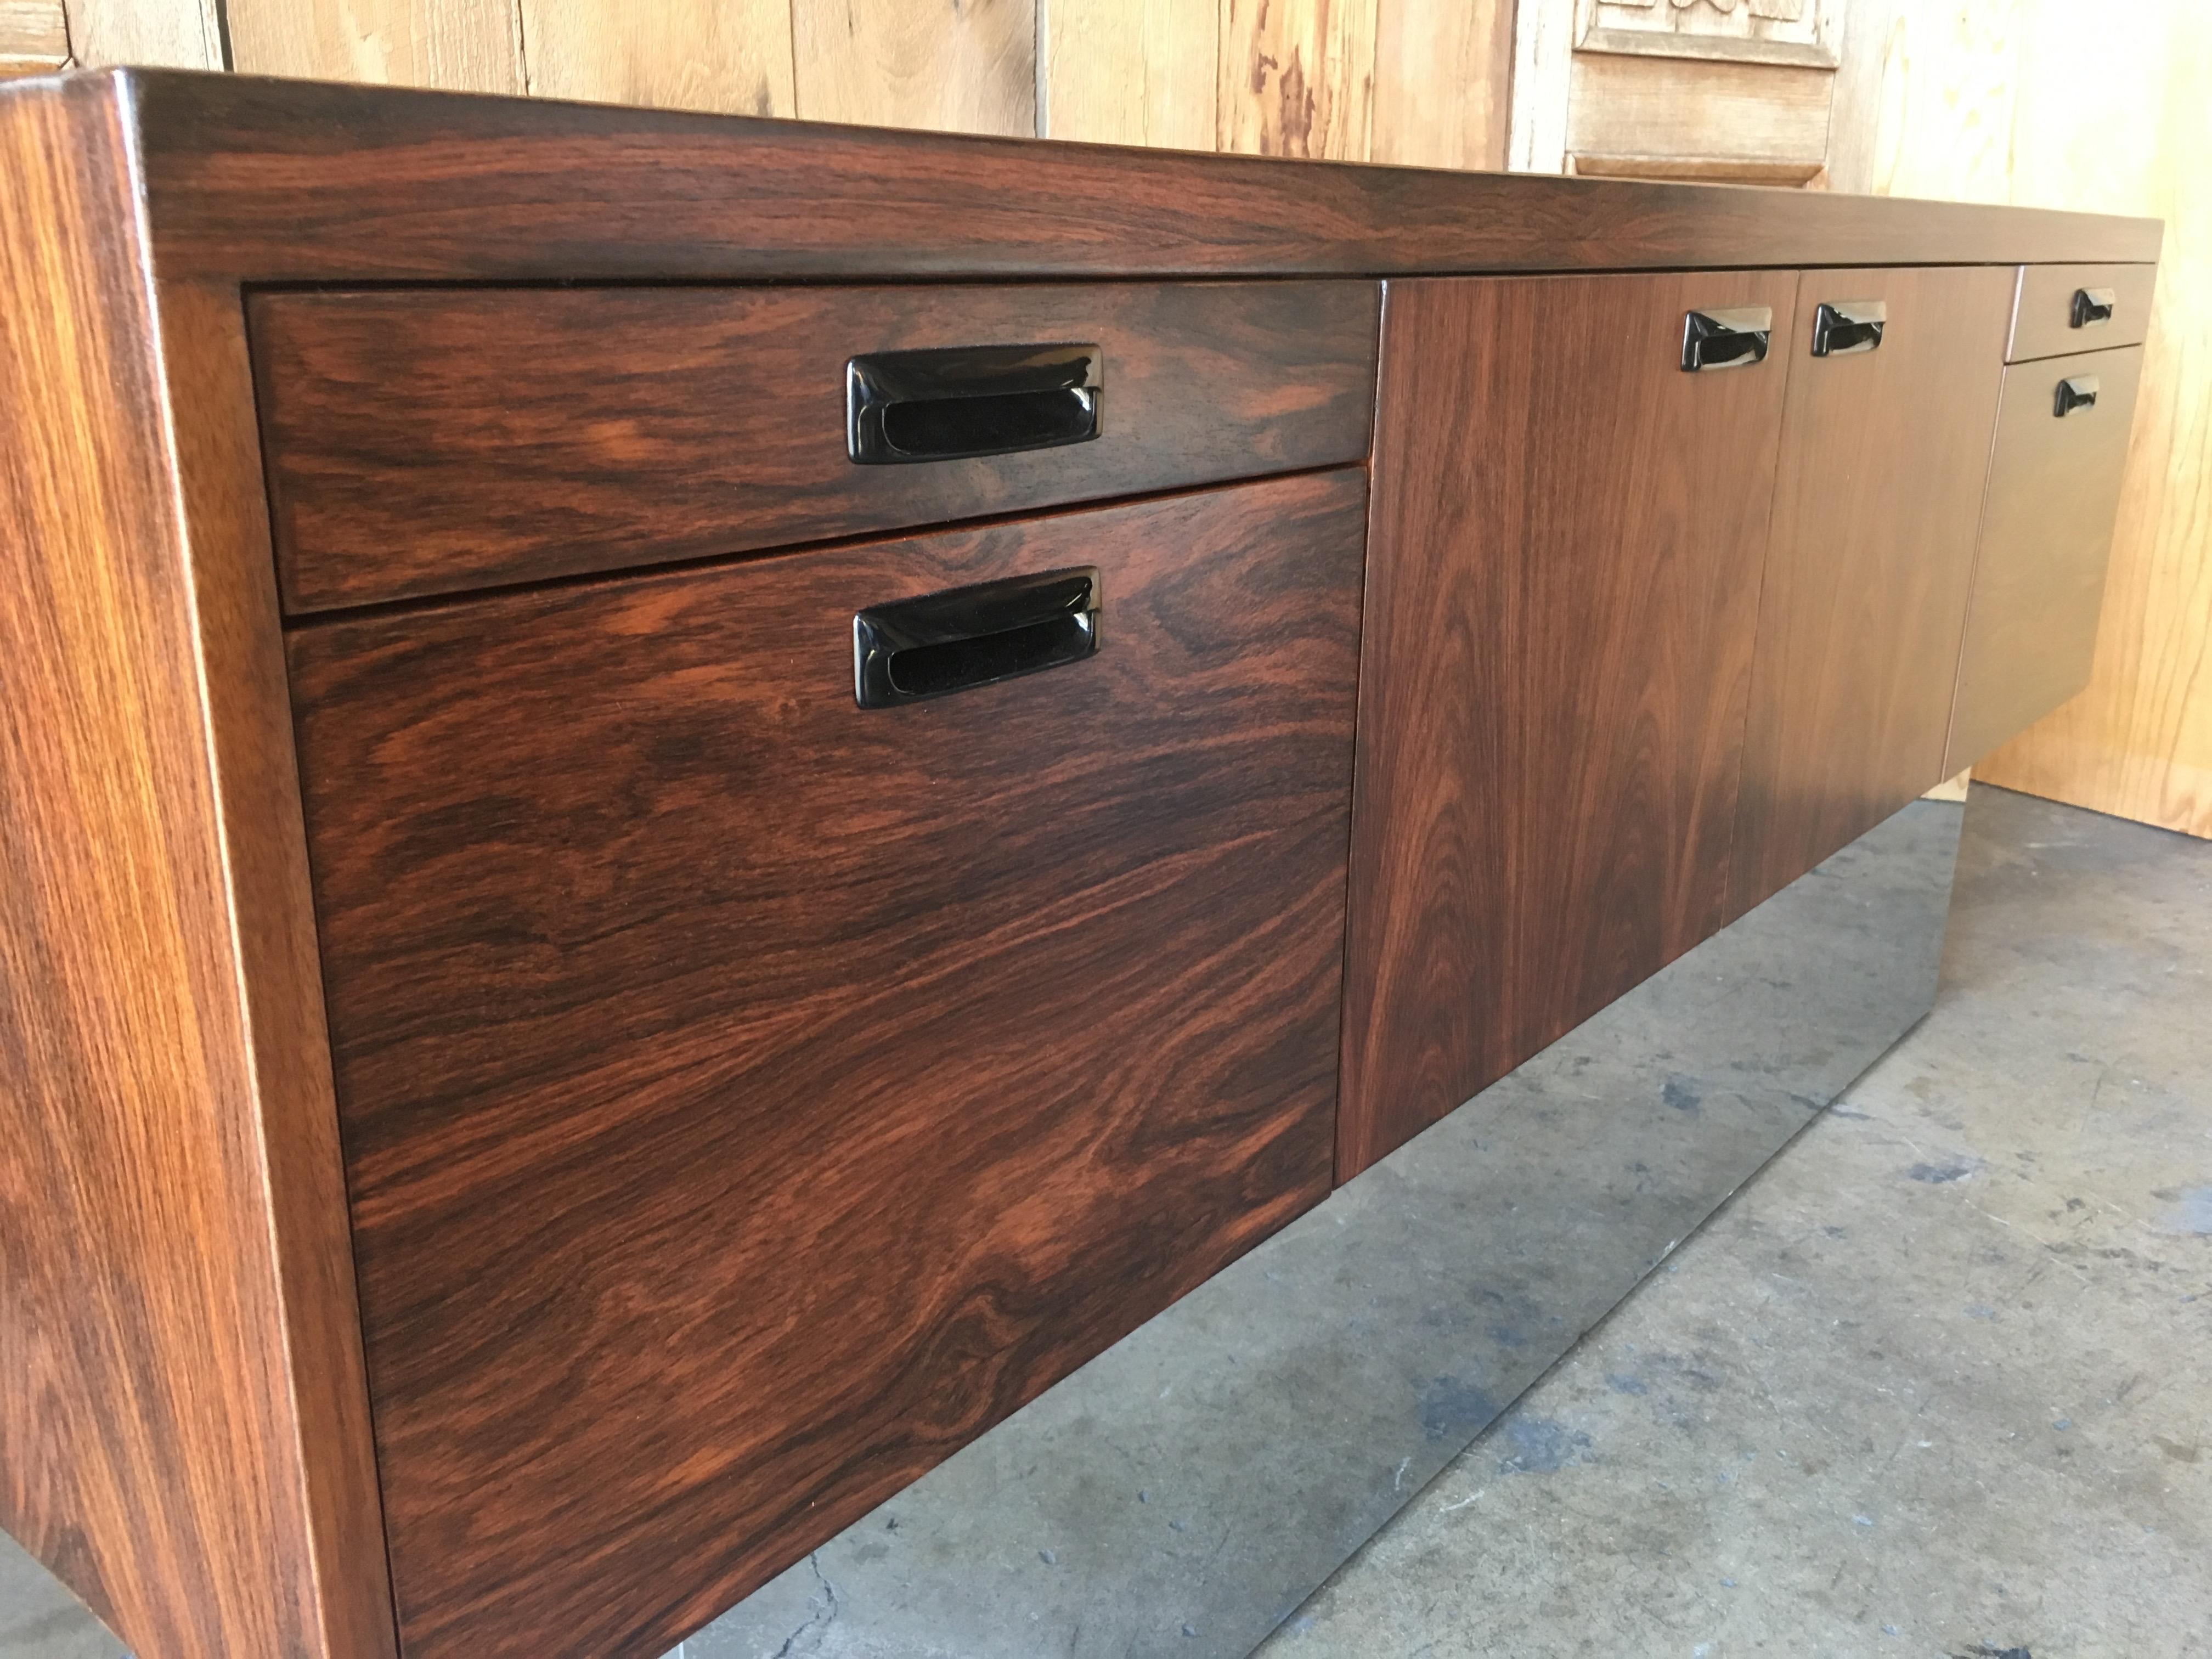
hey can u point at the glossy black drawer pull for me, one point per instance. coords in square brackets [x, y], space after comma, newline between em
[2094, 307]
[957, 401]
[1736, 338]
[2079, 393]
[965, 637]
[1844, 329]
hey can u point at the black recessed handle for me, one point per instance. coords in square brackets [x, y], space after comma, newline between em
[2093, 306]
[1844, 329]
[965, 637]
[1734, 336]
[2078, 392]
[947, 403]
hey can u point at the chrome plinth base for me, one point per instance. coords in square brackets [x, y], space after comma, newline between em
[1185, 1491]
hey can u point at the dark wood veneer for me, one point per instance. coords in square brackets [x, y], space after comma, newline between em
[427, 443]
[274, 180]
[1564, 572]
[749, 1098]
[183, 1435]
[1884, 456]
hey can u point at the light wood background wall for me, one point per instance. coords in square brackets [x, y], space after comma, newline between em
[2058, 103]
[1412, 80]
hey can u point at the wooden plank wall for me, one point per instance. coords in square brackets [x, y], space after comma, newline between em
[1419, 81]
[33, 36]
[2047, 103]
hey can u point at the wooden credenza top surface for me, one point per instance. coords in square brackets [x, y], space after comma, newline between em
[262, 180]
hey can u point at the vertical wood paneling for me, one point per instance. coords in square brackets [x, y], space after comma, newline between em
[2107, 117]
[732, 56]
[1543, 67]
[953, 65]
[1417, 81]
[167, 33]
[1131, 71]
[1871, 33]
[35, 36]
[461, 45]
[2116, 118]
[1297, 78]
[1942, 118]
[1442, 71]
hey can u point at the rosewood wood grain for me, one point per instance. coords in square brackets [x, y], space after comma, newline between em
[270, 180]
[2042, 316]
[294, 1124]
[2047, 540]
[428, 443]
[183, 1401]
[183, 1410]
[1562, 585]
[750, 1098]
[1877, 506]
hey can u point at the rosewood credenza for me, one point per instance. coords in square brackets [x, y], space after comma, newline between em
[689, 802]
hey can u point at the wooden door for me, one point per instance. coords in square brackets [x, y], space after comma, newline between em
[1563, 586]
[1884, 455]
[2047, 543]
[749, 1097]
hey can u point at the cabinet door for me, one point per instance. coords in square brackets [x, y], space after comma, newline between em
[2046, 539]
[1562, 585]
[1884, 452]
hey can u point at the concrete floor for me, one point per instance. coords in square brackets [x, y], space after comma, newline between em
[1938, 1382]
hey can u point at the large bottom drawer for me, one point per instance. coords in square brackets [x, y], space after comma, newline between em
[748, 1096]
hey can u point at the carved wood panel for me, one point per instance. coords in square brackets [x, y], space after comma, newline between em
[1804, 32]
[1737, 90]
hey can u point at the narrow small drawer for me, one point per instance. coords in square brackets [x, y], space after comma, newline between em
[2061, 309]
[2054, 491]
[434, 442]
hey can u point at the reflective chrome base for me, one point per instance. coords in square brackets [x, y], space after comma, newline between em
[1185, 1491]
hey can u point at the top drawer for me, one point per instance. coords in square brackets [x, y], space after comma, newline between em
[423, 443]
[2057, 312]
